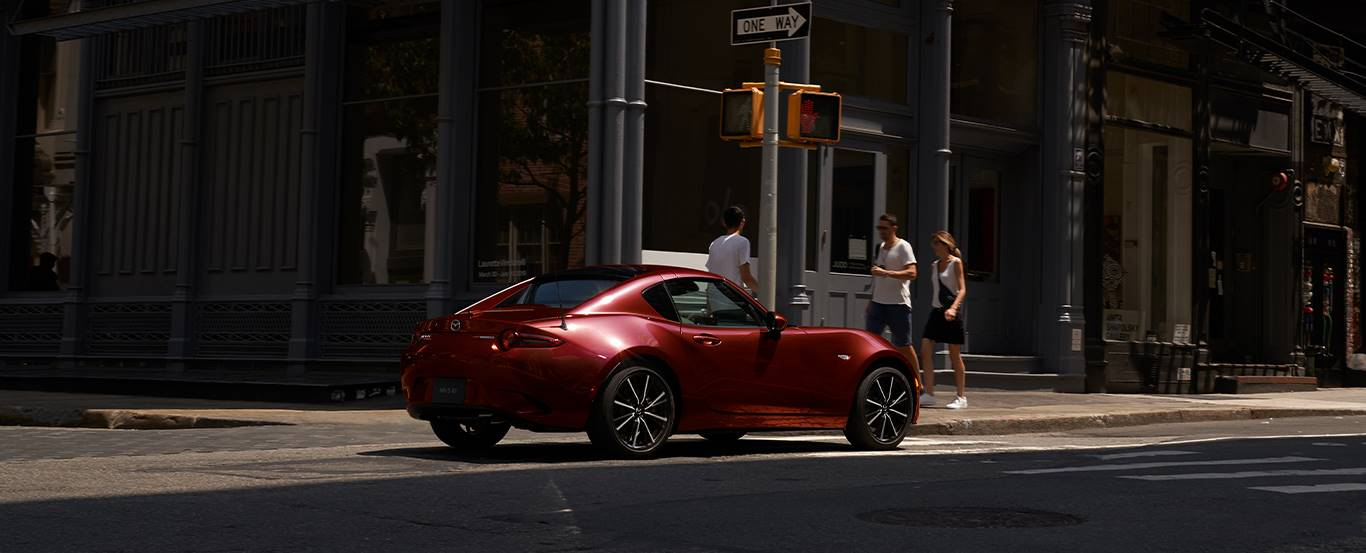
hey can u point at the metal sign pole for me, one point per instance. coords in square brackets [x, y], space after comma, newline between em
[768, 188]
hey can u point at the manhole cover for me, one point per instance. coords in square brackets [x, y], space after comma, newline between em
[970, 517]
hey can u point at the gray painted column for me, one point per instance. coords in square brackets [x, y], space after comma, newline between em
[792, 299]
[607, 146]
[1065, 30]
[936, 152]
[317, 175]
[9, 67]
[181, 347]
[73, 324]
[593, 228]
[1093, 293]
[633, 177]
[455, 163]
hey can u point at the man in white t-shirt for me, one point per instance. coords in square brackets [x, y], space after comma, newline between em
[728, 255]
[893, 270]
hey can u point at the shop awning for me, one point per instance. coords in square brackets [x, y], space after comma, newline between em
[134, 15]
[1338, 85]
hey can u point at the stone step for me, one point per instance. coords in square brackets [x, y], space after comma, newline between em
[943, 379]
[1264, 384]
[1014, 364]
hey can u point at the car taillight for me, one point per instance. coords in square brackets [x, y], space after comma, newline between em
[511, 338]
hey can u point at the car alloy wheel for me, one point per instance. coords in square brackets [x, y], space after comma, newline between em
[882, 411]
[636, 413]
[466, 436]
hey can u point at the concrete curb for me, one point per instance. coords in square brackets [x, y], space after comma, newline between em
[1024, 424]
[117, 419]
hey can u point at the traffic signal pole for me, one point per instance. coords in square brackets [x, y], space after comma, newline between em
[768, 176]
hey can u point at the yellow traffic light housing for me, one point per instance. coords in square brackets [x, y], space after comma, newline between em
[814, 117]
[742, 114]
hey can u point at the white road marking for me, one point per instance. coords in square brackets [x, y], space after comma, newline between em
[1248, 474]
[1141, 466]
[1319, 488]
[1162, 453]
[1328, 444]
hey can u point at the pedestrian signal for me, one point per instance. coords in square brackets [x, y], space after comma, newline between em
[814, 117]
[742, 114]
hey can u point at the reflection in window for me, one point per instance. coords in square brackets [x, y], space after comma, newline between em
[995, 59]
[859, 61]
[691, 177]
[389, 148]
[852, 218]
[45, 159]
[975, 217]
[1135, 29]
[532, 188]
[1148, 101]
[711, 303]
[708, 60]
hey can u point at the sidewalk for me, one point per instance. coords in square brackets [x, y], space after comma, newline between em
[991, 412]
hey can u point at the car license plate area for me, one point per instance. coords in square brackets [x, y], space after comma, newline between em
[448, 390]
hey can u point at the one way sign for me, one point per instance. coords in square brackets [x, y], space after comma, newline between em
[771, 23]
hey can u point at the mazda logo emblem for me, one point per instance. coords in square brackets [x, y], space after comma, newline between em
[455, 325]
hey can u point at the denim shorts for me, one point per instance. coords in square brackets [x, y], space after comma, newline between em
[896, 317]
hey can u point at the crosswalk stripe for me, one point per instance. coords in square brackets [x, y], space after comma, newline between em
[1137, 454]
[1328, 444]
[1318, 488]
[1140, 466]
[1248, 474]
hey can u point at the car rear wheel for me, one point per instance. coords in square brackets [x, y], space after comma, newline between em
[635, 414]
[470, 437]
[722, 436]
[881, 414]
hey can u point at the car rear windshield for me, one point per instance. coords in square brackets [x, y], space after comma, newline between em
[562, 293]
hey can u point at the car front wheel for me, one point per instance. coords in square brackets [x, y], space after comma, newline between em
[635, 414]
[881, 414]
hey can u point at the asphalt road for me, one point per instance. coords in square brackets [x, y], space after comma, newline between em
[392, 488]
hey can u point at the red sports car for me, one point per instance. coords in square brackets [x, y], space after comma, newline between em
[633, 354]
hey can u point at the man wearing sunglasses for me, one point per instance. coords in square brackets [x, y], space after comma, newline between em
[893, 270]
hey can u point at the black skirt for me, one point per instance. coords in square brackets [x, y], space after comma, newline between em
[942, 330]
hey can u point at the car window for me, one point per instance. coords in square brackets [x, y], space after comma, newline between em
[707, 302]
[658, 298]
[564, 293]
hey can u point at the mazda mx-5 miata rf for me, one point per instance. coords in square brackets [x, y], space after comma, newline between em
[634, 354]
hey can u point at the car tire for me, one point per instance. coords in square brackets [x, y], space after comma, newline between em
[635, 414]
[470, 437]
[882, 412]
[722, 436]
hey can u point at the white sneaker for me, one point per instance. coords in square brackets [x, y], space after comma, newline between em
[926, 400]
[959, 403]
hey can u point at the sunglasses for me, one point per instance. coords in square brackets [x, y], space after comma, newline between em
[884, 227]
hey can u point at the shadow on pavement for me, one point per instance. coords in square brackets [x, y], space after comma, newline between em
[577, 452]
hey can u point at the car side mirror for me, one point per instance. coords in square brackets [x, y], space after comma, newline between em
[776, 322]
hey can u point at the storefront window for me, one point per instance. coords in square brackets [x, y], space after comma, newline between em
[1135, 28]
[974, 216]
[533, 139]
[390, 143]
[1146, 233]
[995, 61]
[1148, 101]
[45, 159]
[859, 61]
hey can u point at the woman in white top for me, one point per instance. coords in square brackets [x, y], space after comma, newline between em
[945, 324]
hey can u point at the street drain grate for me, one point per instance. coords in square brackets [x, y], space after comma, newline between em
[970, 517]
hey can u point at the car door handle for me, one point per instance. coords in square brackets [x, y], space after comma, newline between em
[706, 339]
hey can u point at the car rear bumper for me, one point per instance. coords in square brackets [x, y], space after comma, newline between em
[497, 389]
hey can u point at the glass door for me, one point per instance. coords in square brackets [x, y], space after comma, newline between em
[850, 195]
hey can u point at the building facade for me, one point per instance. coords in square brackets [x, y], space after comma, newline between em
[295, 184]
